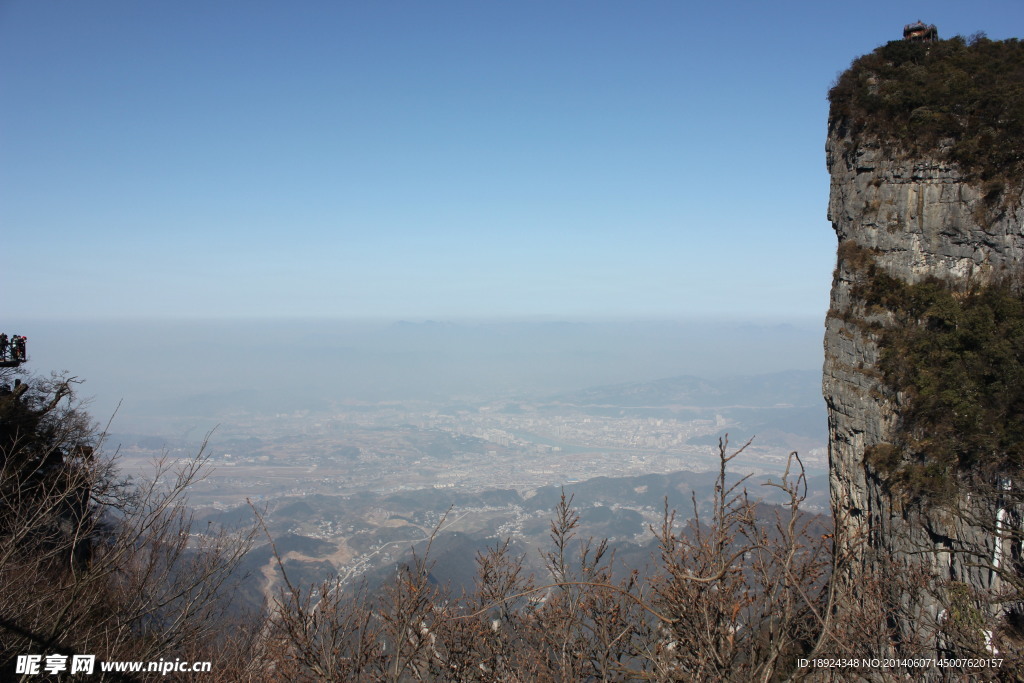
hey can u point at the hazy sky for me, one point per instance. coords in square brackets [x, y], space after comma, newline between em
[429, 158]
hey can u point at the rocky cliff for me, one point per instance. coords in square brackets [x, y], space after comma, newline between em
[915, 197]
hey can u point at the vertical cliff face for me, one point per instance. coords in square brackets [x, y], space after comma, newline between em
[910, 206]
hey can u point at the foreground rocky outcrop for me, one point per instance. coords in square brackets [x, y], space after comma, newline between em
[909, 208]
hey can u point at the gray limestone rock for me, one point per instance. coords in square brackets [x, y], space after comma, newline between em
[918, 217]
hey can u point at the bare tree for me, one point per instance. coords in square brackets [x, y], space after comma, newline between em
[744, 593]
[957, 594]
[91, 563]
[738, 597]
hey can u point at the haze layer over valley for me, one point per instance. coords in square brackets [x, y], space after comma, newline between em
[345, 404]
[212, 368]
[357, 439]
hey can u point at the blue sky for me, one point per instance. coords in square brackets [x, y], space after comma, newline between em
[423, 159]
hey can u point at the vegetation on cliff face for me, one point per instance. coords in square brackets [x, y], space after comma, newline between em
[963, 101]
[955, 360]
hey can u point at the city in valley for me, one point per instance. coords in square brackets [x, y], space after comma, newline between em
[347, 491]
[396, 446]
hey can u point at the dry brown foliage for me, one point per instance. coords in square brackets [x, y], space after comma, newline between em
[91, 564]
[737, 597]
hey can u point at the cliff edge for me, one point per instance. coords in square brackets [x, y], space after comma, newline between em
[926, 416]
